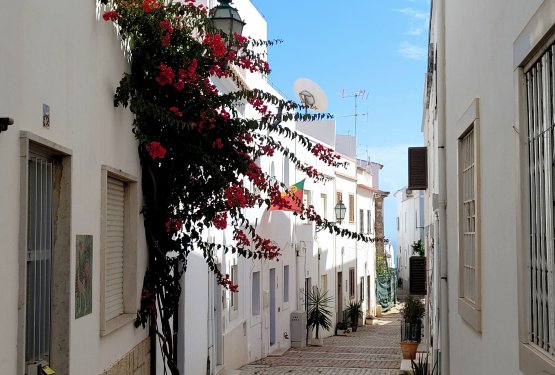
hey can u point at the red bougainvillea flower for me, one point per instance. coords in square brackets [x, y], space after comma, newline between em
[216, 44]
[176, 111]
[218, 143]
[166, 75]
[240, 38]
[166, 26]
[173, 225]
[166, 40]
[149, 5]
[156, 150]
[110, 16]
[220, 220]
[227, 283]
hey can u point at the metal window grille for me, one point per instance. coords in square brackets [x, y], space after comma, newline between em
[115, 239]
[39, 255]
[468, 216]
[540, 89]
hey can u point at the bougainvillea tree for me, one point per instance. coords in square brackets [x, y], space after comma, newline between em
[197, 153]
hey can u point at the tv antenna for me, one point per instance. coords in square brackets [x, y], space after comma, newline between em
[361, 93]
[310, 94]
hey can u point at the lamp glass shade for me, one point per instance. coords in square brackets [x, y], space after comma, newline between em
[227, 19]
[340, 211]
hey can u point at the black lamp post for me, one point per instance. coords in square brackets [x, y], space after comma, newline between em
[4, 123]
[226, 18]
[340, 211]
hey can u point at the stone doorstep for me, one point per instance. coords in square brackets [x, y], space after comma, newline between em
[221, 370]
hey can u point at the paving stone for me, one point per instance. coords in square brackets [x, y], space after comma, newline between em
[372, 350]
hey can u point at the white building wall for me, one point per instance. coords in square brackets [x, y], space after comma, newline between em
[480, 63]
[66, 57]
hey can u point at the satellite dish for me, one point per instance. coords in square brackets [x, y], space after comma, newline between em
[310, 94]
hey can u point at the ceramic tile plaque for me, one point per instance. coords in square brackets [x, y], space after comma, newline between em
[83, 275]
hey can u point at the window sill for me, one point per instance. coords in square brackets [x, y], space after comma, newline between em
[533, 361]
[470, 314]
[116, 323]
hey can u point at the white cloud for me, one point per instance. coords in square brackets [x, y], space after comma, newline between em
[413, 14]
[412, 51]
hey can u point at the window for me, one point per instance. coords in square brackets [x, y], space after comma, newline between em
[361, 220]
[541, 304]
[307, 198]
[338, 197]
[361, 290]
[351, 283]
[368, 221]
[234, 296]
[255, 293]
[324, 283]
[398, 224]
[118, 250]
[535, 93]
[285, 283]
[468, 209]
[39, 259]
[324, 206]
[351, 208]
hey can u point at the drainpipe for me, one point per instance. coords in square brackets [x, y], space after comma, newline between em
[442, 201]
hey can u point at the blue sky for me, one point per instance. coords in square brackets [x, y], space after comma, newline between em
[378, 46]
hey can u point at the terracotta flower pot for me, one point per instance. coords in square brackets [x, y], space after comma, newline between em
[409, 349]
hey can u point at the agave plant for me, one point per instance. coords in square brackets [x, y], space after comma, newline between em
[319, 313]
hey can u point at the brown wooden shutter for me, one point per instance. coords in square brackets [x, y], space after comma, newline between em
[418, 168]
[417, 275]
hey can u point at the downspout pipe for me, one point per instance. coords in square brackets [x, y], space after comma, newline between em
[442, 206]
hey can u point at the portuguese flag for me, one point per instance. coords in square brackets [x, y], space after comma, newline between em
[291, 204]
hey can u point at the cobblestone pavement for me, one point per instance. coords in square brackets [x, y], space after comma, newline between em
[372, 350]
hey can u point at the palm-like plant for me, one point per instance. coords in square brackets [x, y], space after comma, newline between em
[354, 312]
[319, 314]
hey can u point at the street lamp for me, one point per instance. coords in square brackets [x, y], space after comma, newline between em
[340, 211]
[226, 18]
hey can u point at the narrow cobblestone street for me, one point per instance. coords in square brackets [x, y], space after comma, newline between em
[372, 350]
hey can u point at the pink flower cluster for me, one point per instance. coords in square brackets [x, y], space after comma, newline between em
[324, 153]
[156, 150]
[220, 220]
[110, 16]
[237, 196]
[228, 284]
[173, 225]
[167, 31]
[241, 238]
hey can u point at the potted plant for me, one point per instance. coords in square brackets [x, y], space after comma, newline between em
[340, 328]
[412, 312]
[319, 313]
[423, 366]
[418, 248]
[354, 312]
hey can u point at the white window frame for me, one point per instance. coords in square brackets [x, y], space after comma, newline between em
[131, 213]
[286, 279]
[468, 176]
[324, 205]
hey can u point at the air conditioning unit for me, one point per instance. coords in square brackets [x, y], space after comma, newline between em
[298, 329]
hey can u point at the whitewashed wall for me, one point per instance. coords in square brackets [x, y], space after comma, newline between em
[64, 56]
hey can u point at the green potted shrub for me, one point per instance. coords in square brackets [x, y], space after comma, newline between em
[418, 248]
[340, 328]
[354, 313]
[319, 313]
[412, 312]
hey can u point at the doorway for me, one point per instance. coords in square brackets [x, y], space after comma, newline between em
[340, 296]
[272, 306]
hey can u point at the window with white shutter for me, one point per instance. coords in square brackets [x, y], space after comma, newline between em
[118, 276]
